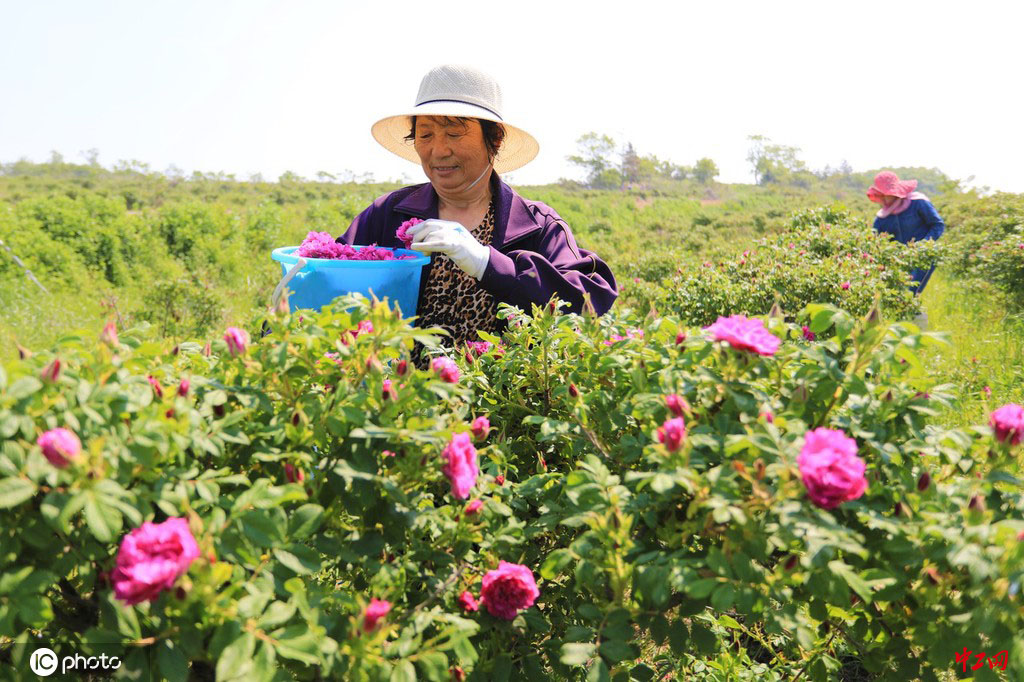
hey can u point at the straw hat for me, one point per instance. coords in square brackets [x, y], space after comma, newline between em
[888, 183]
[453, 90]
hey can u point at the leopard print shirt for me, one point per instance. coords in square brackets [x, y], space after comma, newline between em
[454, 300]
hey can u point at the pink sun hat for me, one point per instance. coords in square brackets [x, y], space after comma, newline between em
[889, 183]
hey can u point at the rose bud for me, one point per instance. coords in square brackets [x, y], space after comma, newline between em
[23, 353]
[388, 391]
[218, 410]
[175, 350]
[933, 575]
[573, 391]
[183, 387]
[680, 338]
[473, 507]
[51, 372]
[169, 414]
[759, 468]
[109, 334]
[977, 502]
[292, 473]
[295, 419]
[924, 482]
[481, 427]
[157, 388]
[458, 674]
[791, 562]
[499, 479]
[403, 367]
[897, 509]
[677, 404]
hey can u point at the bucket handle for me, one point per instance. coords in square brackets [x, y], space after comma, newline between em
[279, 289]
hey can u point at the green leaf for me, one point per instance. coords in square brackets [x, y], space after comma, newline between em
[104, 522]
[723, 597]
[616, 650]
[555, 563]
[434, 666]
[298, 558]
[14, 491]
[502, 668]
[598, 672]
[235, 662]
[403, 672]
[298, 643]
[305, 521]
[856, 583]
[577, 653]
[700, 589]
[277, 613]
[678, 636]
[23, 387]
[171, 661]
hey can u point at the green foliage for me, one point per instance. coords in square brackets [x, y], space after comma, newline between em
[714, 549]
[826, 256]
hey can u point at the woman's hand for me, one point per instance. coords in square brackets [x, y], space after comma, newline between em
[453, 240]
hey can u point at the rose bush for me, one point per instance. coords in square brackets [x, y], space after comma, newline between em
[596, 549]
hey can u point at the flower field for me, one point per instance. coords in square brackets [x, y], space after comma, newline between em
[741, 472]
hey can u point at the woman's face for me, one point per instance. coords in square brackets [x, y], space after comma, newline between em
[887, 199]
[453, 156]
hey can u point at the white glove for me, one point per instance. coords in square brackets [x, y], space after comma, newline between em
[453, 240]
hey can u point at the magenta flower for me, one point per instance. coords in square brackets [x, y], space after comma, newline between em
[830, 468]
[403, 231]
[322, 245]
[446, 369]
[481, 427]
[845, 285]
[472, 507]
[183, 387]
[744, 334]
[677, 404]
[807, 333]
[460, 465]
[672, 433]
[508, 589]
[237, 340]
[388, 392]
[60, 446]
[293, 474]
[151, 558]
[479, 347]
[468, 602]
[377, 609]
[1008, 424]
[768, 416]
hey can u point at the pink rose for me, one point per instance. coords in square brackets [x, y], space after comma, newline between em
[830, 468]
[460, 465]
[481, 427]
[672, 433]
[403, 231]
[51, 372]
[468, 602]
[446, 369]
[479, 347]
[60, 446]
[807, 333]
[151, 558]
[237, 340]
[508, 589]
[768, 416]
[387, 453]
[473, 506]
[845, 285]
[377, 609]
[1008, 424]
[677, 404]
[744, 334]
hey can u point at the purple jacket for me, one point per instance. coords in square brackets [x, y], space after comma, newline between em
[533, 252]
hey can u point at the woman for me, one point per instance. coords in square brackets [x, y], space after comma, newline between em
[493, 245]
[907, 215]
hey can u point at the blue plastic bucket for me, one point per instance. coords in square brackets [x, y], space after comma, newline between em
[322, 280]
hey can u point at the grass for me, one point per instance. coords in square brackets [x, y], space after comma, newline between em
[987, 348]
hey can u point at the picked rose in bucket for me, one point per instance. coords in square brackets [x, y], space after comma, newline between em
[322, 245]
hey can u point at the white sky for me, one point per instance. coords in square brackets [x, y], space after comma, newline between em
[244, 87]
